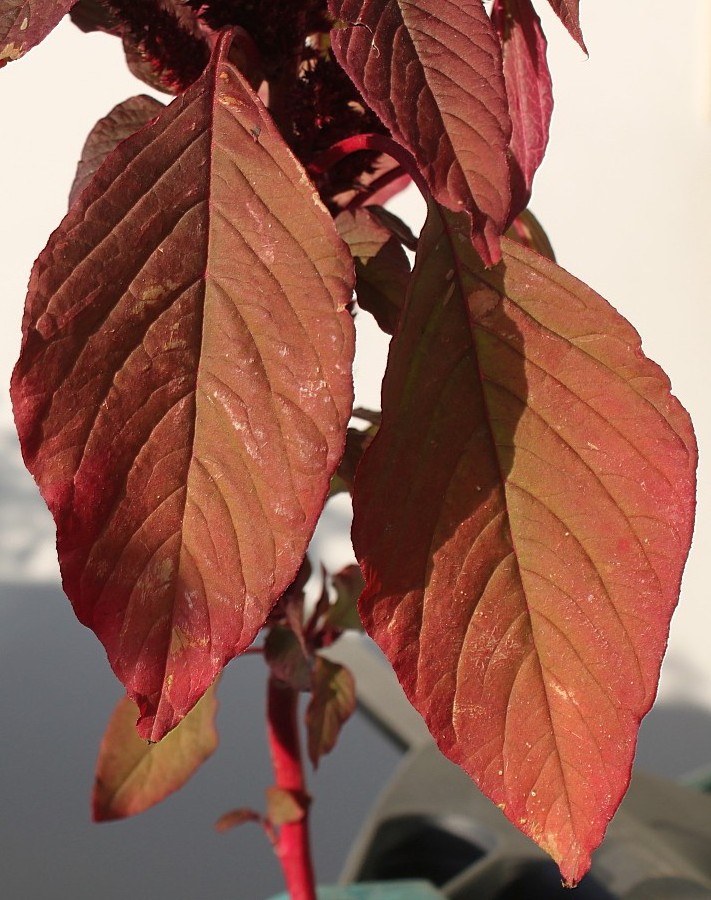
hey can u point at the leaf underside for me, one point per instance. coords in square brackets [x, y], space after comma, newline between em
[184, 388]
[133, 775]
[522, 519]
[124, 120]
[432, 73]
[24, 23]
[530, 93]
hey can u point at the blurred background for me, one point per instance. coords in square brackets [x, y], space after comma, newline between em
[624, 195]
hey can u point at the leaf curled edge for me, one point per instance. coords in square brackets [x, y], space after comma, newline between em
[182, 396]
[522, 519]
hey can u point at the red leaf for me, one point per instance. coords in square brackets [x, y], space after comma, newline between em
[568, 11]
[432, 72]
[184, 387]
[235, 817]
[333, 702]
[522, 519]
[133, 775]
[24, 23]
[529, 89]
[123, 121]
[381, 265]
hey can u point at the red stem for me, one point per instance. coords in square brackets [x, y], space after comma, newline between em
[292, 846]
[379, 142]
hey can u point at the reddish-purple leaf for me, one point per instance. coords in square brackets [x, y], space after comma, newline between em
[24, 23]
[432, 72]
[133, 775]
[529, 89]
[123, 121]
[568, 11]
[522, 519]
[381, 265]
[333, 702]
[184, 387]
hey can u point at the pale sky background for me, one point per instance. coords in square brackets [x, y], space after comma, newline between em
[624, 195]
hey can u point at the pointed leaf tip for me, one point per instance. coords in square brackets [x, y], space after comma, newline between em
[522, 519]
[182, 396]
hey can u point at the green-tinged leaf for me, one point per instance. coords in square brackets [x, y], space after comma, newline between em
[123, 121]
[349, 585]
[357, 440]
[522, 519]
[184, 387]
[381, 265]
[24, 23]
[333, 701]
[285, 807]
[132, 775]
[285, 656]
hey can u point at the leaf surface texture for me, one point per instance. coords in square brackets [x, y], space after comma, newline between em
[184, 387]
[522, 519]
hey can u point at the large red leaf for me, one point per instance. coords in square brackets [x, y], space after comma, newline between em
[528, 85]
[432, 72]
[568, 11]
[522, 519]
[133, 775]
[24, 23]
[184, 387]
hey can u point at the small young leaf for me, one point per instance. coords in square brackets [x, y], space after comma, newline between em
[432, 72]
[24, 23]
[284, 806]
[132, 775]
[333, 701]
[349, 586]
[123, 120]
[529, 89]
[284, 654]
[522, 519]
[568, 11]
[381, 265]
[236, 817]
[184, 387]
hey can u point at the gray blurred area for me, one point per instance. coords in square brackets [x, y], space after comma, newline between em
[57, 694]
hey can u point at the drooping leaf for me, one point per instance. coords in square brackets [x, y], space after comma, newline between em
[24, 23]
[133, 775]
[522, 519]
[381, 265]
[333, 701]
[184, 387]
[123, 120]
[529, 89]
[432, 72]
[568, 11]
